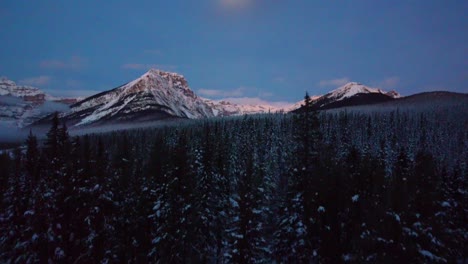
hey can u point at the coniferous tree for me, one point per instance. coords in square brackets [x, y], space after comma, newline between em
[52, 143]
[32, 159]
[297, 234]
[249, 212]
[216, 191]
[174, 211]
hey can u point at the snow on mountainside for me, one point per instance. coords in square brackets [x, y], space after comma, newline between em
[158, 95]
[352, 93]
[154, 95]
[353, 88]
[227, 108]
[347, 91]
[22, 105]
[27, 93]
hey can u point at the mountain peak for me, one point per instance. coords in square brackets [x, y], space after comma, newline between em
[9, 87]
[156, 76]
[353, 83]
[352, 88]
[349, 90]
[5, 81]
[152, 72]
[154, 95]
[158, 72]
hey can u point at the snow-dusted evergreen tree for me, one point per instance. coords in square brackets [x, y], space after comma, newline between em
[298, 233]
[250, 213]
[32, 162]
[210, 198]
[342, 186]
[174, 212]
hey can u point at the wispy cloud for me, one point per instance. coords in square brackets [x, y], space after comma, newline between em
[74, 63]
[140, 66]
[334, 82]
[36, 81]
[222, 93]
[388, 83]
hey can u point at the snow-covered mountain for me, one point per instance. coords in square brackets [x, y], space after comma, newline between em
[155, 95]
[353, 93]
[27, 93]
[227, 108]
[22, 105]
[352, 88]
[158, 95]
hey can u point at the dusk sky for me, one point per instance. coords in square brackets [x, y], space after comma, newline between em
[264, 50]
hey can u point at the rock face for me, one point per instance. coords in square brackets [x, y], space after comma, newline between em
[226, 108]
[22, 105]
[155, 95]
[28, 94]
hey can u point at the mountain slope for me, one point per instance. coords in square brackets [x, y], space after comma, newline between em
[352, 88]
[153, 96]
[22, 105]
[158, 95]
[227, 108]
[27, 93]
[436, 102]
[350, 94]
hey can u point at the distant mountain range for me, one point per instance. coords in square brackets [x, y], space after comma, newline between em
[156, 95]
[23, 105]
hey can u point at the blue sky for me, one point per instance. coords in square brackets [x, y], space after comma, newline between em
[268, 50]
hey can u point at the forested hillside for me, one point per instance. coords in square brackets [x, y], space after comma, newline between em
[373, 187]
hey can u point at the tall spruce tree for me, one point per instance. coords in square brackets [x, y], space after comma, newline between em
[32, 159]
[298, 233]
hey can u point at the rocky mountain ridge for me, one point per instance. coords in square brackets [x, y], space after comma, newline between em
[158, 95]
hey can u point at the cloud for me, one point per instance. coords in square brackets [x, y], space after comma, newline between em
[222, 93]
[334, 82]
[389, 83]
[234, 4]
[36, 81]
[139, 66]
[74, 63]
